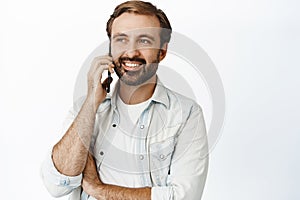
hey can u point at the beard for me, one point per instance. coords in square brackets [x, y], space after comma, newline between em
[138, 77]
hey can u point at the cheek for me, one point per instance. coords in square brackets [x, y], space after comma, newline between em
[152, 55]
[117, 51]
[116, 54]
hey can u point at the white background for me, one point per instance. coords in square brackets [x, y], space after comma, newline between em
[254, 44]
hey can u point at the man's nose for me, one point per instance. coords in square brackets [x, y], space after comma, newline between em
[132, 51]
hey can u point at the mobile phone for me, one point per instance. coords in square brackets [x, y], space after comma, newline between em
[109, 79]
[108, 82]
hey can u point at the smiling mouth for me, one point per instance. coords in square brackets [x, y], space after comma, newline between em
[132, 65]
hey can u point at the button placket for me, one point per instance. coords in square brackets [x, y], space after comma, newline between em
[142, 149]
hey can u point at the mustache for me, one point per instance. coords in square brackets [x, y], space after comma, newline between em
[134, 59]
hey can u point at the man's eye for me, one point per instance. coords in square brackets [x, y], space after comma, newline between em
[145, 41]
[121, 40]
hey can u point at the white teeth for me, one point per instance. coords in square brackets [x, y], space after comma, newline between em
[131, 65]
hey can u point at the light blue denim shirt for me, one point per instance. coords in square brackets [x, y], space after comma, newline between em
[170, 152]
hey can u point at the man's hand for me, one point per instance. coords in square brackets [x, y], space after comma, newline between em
[91, 182]
[96, 89]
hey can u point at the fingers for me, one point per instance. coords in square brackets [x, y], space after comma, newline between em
[99, 64]
[110, 67]
[102, 62]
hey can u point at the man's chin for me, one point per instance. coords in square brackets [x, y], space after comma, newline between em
[130, 81]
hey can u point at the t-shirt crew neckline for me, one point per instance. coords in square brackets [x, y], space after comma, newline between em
[131, 111]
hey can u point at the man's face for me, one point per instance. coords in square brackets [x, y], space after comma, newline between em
[135, 47]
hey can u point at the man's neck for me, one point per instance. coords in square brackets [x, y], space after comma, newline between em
[137, 94]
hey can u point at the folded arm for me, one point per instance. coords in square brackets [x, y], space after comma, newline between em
[187, 176]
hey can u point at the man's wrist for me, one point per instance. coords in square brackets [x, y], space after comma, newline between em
[101, 192]
[91, 103]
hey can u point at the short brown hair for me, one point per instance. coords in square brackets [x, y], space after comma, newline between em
[142, 8]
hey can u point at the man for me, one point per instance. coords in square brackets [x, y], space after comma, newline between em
[143, 141]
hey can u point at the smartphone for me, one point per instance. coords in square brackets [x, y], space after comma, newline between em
[108, 82]
[108, 73]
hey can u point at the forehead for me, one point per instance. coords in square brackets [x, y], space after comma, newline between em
[130, 22]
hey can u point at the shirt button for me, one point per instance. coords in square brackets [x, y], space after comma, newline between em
[141, 157]
[114, 125]
[162, 156]
[142, 126]
[101, 153]
[65, 181]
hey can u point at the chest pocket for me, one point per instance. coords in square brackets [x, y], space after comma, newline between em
[160, 160]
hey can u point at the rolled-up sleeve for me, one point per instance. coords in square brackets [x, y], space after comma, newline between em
[189, 165]
[56, 183]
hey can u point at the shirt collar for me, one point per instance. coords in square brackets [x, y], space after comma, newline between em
[159, 95]
[113, 95]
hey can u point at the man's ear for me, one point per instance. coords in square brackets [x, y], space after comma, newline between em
[163, 51]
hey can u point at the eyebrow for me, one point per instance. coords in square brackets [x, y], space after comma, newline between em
[140, 36]
[119, 35]
[148, 36]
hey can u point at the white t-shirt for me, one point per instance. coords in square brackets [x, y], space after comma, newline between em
[131, 112]
[125, 144]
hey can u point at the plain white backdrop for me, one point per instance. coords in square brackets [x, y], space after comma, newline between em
[254, 44]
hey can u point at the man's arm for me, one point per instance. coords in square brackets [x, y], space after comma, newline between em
[188, 169]
[70, 153]
[93, 186]
[113, 192]
[189, 164]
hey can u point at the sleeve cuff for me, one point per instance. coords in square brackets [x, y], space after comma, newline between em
[51, 174]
